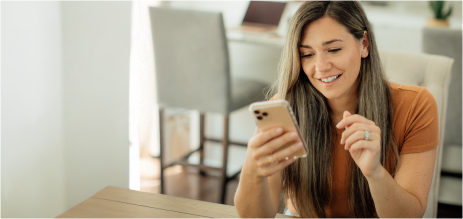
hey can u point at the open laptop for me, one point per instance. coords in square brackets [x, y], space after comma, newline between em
[262, 16]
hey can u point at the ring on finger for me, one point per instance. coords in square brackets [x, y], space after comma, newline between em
[270, 158]
[367, 135]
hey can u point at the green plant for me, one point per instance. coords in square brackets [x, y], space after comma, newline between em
[438, 9]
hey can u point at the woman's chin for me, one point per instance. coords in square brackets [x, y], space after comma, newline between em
[331, 94]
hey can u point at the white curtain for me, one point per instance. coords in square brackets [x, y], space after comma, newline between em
[143, 118]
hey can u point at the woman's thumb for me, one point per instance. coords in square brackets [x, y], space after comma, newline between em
[346, 114]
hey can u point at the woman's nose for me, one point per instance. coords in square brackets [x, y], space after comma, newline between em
[322, 64]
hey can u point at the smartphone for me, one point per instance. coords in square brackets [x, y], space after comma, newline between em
[277, 113]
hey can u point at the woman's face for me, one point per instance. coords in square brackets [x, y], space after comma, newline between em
[331, 57]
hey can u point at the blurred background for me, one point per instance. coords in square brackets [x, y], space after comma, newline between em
[79, 99]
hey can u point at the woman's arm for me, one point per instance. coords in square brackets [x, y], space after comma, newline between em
[405, 195]
[260, 185]
[258, 197]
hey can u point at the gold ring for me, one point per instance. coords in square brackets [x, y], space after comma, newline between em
[270, 158]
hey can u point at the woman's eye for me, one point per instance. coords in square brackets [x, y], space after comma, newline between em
[306, 56]
[334, 50]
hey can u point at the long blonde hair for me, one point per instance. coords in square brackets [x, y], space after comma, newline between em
[308, 182]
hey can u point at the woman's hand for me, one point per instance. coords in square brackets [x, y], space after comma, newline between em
[259, 190]
[365, 153]
[267, 155]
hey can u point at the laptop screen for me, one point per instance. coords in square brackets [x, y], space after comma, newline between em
[261, 12]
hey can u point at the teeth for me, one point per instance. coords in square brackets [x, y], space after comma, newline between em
[330, 79]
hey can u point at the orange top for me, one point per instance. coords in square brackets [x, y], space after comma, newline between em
[416, 129]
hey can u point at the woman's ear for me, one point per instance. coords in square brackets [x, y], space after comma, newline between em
[365, 45]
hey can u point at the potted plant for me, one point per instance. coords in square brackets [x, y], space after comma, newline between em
[440, 17]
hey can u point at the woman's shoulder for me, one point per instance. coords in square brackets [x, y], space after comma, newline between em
[410, 94]
[404, 88]
[415, 116]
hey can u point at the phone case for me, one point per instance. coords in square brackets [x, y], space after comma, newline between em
[270, 114]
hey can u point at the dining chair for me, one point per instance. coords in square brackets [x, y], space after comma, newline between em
[432, 72]
[192, 70]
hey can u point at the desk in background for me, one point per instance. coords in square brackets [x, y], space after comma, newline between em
[113, 202]
[271, 37]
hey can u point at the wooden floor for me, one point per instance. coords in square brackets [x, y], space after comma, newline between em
[183, 182]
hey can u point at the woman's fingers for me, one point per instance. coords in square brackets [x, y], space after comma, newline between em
[256, 131]
[272, 169]
[346, 114]
[359, 135]
[263, 145]
[363, 145]
[358, 127]
[364, 152]
[261, 138]
[349, 120]
[275, 157]
[275, 144]
[287, 153]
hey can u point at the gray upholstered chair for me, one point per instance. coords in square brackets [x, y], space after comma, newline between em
[193, 72]
[432, 72]
[447, 42]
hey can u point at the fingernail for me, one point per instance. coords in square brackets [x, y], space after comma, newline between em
[293, 135]
[345, 113]
[279, 130]
[338, 124]
[341, 140]
[299, 145]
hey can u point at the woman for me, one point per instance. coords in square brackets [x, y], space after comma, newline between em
[371, 143]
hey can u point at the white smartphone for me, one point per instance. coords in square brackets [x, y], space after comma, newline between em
[270, 114]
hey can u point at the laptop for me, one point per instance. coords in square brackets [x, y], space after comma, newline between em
[262, 16]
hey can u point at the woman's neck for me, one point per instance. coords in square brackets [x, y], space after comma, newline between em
[338, 106]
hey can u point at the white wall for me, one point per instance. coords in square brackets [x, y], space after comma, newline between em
[32, 143]
[65, 77]
[96, 50]
[233, 11]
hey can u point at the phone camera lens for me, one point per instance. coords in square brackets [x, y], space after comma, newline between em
[265, 113]
[259, 117]
[256, 112]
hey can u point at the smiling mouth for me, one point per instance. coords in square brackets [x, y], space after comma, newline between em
[330, 79]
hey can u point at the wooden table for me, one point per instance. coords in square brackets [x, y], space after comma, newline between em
[113, 202]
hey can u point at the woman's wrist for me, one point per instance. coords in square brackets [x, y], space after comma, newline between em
[377, 175]
[252, 177]
[250, 174]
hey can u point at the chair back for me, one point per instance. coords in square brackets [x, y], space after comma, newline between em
[432, 72]
[191, 59]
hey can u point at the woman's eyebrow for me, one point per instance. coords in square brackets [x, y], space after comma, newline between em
[331, 41]
[324, 43]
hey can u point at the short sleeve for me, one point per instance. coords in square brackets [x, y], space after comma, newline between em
[422, 125]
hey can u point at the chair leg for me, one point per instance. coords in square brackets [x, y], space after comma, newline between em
[225, 143]
[161, 151]
[201, 141]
